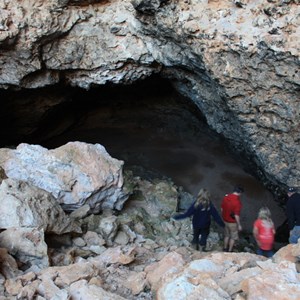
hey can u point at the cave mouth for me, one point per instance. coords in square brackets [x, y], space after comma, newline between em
[156, 131]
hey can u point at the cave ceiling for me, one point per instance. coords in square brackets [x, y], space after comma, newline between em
[237, 61]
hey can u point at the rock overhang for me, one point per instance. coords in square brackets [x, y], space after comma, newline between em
[237, 61]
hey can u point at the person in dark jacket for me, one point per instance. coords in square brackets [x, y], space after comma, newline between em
[293, 214]
[202, 210]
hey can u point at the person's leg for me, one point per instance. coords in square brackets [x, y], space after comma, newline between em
[226, 237]
[259, 252]
[226, 243]
[234, 235]
[231, 244]
[195, 241]
[204, 234]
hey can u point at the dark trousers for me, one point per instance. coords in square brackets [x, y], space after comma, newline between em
[266, 253]
[203, 232]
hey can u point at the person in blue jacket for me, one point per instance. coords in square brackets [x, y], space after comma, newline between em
[202, 210]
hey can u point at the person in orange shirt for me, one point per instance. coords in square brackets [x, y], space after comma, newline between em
[264, 232]
[231, 208]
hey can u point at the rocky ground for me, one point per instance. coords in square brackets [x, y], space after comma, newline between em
[140, 253]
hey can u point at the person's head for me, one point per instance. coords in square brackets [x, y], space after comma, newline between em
[238, 189]
[291, 191]
[203, 198]
[264, 213]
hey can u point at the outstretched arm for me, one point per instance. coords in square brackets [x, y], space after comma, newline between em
[187, 214]
[237, 219]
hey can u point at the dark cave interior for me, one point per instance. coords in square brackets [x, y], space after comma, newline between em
[156, 131]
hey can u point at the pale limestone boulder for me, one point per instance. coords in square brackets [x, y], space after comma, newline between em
[136, 282]
[276, 281]
[232, 283]
[78, 242]
[96, 249]
[13, 286]
[64, 276]
[116, 255]
[29, 291]
[80, 212]
[49, 290]
[24, 205]
[291, 253]
[231, 262]
[296, 250]
[185, 286]
[27, 245]
[82, 290]
[170, 264]
[75, 174]
[93, 238]
[121, 238]
[214, 276]
[160, 199]
[108, 228]
[125, 235]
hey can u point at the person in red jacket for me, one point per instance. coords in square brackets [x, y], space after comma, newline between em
[231, 209]
[264, 232]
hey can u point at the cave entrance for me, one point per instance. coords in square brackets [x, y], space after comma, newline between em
[158, 133]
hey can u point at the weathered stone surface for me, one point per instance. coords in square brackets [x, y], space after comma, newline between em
[136, 282]
[186, 287]
[27, 245]
[75, 174]
[114, 255]
[24, 205]
[8, 265]
[277, 281]
[155, 268]
[64, 276]
[237, 60]
[81, 290]
[170, 264]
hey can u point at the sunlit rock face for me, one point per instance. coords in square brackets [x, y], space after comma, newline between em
[74, 174]
[238, 61]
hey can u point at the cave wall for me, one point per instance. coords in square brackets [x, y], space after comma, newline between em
[238, 61]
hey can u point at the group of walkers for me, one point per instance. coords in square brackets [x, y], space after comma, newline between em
[202, 210]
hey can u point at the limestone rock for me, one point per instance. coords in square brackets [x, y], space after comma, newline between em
[24, 205]
[81, 290]
[64, 276]
[170, 264]
[279, 281]
[27, 244]
[75, 174]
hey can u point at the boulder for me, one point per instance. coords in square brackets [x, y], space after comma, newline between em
[75, 174]
[24, 205]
